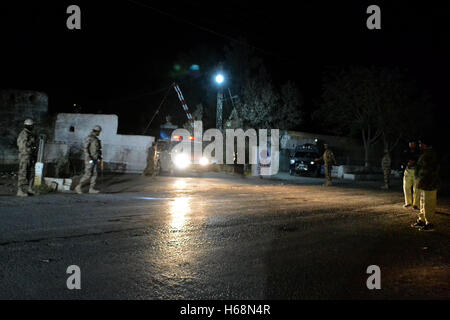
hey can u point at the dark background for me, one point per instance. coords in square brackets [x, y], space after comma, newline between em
[121, 59]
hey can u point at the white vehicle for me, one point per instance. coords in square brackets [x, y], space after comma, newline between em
[172, 163]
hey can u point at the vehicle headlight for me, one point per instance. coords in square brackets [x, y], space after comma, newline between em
[292, 161]
[204, 161]
[312, 162]
[181, 161]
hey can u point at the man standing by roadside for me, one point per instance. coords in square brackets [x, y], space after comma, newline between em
[386, 166]
[26, 142]
[93, 155]
[409, 181]
[150, 170]
[329, 161]
[427, 175]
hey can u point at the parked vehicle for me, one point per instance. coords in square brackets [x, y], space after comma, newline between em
[302, 162]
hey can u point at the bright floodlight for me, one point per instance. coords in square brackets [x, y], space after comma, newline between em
[219, 78]
[204, 161]
[181, 161]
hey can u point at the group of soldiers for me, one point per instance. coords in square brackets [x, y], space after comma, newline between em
[27, 145]
[420, 180]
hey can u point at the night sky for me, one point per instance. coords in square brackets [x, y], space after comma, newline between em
[120, 61]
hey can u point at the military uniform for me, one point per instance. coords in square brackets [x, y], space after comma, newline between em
[150, 170]
[427, 174]
[329, 161]
[409, 179]
[26, 142]
[386, 166]
[92, 157]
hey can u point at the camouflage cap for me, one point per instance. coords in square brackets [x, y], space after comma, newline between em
[97, 128]
[28, 122]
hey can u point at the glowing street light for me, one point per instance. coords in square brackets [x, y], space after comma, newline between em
[219, 78]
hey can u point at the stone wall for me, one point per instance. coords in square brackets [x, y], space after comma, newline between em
[15, 107]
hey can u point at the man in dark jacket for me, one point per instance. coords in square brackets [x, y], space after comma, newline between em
[427, 175]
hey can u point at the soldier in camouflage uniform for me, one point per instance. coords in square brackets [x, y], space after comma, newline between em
[427, 174]
[151, 168]
[26, 142]
[93, 155]
[329, 161]
[386, 166]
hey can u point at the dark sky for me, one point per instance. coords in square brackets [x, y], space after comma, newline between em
[125, 49]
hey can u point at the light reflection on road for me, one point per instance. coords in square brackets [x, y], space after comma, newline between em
[180, 184]
[179, 209]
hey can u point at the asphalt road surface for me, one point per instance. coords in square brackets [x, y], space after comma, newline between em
[221, 237]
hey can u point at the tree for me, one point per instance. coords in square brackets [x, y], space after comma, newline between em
[292, 103]
[350, 104]
[374, 103]
[261, 103]
[402, 107]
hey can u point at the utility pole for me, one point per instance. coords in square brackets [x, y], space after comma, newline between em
[39, 166]
[219, 109]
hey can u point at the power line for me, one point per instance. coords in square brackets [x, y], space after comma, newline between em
[140, 95]
[191, 80]
[157, 110]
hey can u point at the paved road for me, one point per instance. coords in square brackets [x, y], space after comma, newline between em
[220, 237]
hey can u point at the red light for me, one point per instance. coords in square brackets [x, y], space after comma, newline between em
[191, 138]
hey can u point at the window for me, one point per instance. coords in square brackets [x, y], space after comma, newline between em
[72, 129]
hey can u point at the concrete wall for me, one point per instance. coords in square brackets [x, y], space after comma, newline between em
[15, 107]
[121, 153]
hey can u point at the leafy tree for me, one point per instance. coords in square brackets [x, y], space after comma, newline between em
[405, 111]
[375, 102]
[261, 103]
[292, 102]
